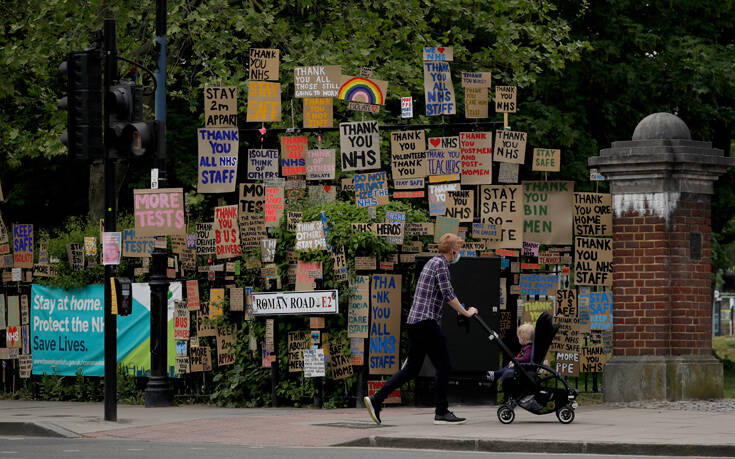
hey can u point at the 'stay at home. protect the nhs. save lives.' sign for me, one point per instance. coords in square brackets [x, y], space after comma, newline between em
[67, 329]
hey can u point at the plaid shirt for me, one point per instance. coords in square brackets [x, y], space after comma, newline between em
[433, 289]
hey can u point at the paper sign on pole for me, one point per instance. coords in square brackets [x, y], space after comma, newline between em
[111, 248]
[159, 212]
[359, 145]
[506, 99]
[181, 320]
[502, 205]
[438, 89]
[192, 295]
[317, 81]
[507, 173]
[205, 238]
[407, 107]
[546, 160]
[547, 208]
[226, 345]
[75, 255]
[220, 106]
[476, 149]
[135, 246]
[566, 303]
[314, 363]
[218, 157]
[297, 343]
[264, 64]
[385, 331]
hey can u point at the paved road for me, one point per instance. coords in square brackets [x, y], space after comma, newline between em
[82, 448]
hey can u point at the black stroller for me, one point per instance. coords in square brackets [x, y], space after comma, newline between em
[531, 385]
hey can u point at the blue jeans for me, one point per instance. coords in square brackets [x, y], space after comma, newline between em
[508, 370]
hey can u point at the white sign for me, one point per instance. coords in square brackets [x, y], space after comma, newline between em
[314, 363]
[313, 302]
[407, 107]
[154, 179]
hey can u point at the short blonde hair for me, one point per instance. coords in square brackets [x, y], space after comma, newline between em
[525, 331]
[449, 242]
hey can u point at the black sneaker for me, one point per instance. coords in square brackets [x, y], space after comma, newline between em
[490, 376]
[374, 411]
[448, 418]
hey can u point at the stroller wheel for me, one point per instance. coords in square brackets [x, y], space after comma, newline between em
[506, 415]
[565, 414]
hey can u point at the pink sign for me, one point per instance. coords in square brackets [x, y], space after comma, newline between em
[159, 212]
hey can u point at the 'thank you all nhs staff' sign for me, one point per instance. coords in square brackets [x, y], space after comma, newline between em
[313, 302]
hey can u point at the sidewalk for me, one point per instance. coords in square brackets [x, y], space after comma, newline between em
[685, 428]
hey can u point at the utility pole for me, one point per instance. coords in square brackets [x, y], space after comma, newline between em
[109, 51]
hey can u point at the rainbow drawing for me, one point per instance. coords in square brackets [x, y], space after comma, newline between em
[361, 89]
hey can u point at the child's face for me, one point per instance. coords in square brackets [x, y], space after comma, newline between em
[523, 339]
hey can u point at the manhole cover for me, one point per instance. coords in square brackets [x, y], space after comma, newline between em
[350, 425]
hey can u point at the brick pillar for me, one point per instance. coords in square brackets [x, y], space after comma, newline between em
[661, 183]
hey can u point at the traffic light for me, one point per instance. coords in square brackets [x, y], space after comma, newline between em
[131, 134]
[124, 294]
[83, 102]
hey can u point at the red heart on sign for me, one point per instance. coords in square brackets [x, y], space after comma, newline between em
[441, 50]
[327, 188]
[435, 141]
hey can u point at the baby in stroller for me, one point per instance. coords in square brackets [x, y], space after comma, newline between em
[525, 338]
[533, 386]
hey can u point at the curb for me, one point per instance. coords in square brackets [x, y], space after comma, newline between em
[550, 447]
[36, 429]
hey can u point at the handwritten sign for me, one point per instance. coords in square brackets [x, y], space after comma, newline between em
[444, 157]
[317, 81]
[297, 343]
[365, 263]
[293, 161]
[314, 363]
[371, 189]
[566, 303]
[262, 164]
[568, 337]
[363, 90]
[601, 312]
[192, 295]
[310, 236]
[226, 345]
[530, 249]
[159, 212]
[307, 272]
[218, 158]
[476, 150]
[23, 246]
[273, 206]
[546, 160]
[533, 309]
[476, 102]
[394, 234]
[593, 214]
[502, 205]
[593, 359]
[320, 164]
[358, 307]
[487, 231]
[385, 330]
[438, 89]
[506, 99]
[227, 232]
[409, 183]
[267, 250]
[567, 363]
[407, 107]
[264, 64]
[181, 320]
[408, 154]
[461, 205]
[205, 238]
[264, 101]
[507, 173]
[438, 53]
[339, 363]
[318, 112]
[75, 255]
[539, 284]
[438, 197]
[220, 106]
[593, 261]
[359, 145]
[547, 208]
[476, 79]
[445, 225]
[510, 146]
[200, 359]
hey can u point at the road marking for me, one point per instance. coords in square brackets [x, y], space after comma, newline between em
[197, 448]
[71, 451]
[135, 449]
[8, 452]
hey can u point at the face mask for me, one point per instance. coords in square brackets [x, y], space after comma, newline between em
[459, 255]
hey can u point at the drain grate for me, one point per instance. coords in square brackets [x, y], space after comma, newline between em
[350, 425]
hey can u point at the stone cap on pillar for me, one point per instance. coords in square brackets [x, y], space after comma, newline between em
[661, 157]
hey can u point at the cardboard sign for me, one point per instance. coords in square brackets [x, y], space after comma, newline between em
[593, 214]
[314, 363]
[359, 145]
[445, 225]
[365, 264]
[264, 101]
[548, 212]
[25, 365]
[252, 230]
[267, 250]
[363, 90]
[385, 319]
[218, 158]
[476, 79]
[395, 234]
[407, 107]
[593, 359]
[135, 246]
[530, 249]
[160, 212]
[438, 53]
[338, 362]
[438, 197]
[220, 106]
[444, 158]
[486, 231]
[546, 160]
[510, 146]
[549, 258]
[438, 89]
[3, 232]
[502, 205]
[506, 99]
[75, 255]
[273, 206]
[24, 312]
[227, 232]
[264, 64]
[317, 81]
[13, 311]
[307, 272]
[358, 307]
[566, 303]
[539, 284]
[111, 248]
[593, 261]
[298, 342]
[252, 197]
[507, 173]
[409, 183]
[583, 305]
[419, 229]
[476, 102]
[567, 363]
[23, 246]
[310, 236]
[569, 337]
[181, 320]
[262, 164]
[476, 150]
[320, 164]
[192, 295]
[533, 309]
[226, 345]
[90, 246]
[216, 302]
[461, 205]
[200, 359]
[205, 238]
[339, 263]
[408, 154]
[601, 312]
[293, 161]
[299, 303]
[371, 189]
[318, 112]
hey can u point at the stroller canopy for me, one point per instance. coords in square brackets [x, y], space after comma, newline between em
[542, 337]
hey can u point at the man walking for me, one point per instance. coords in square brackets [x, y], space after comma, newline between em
[425, 336]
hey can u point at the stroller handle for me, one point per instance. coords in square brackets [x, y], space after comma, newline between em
[483, 324]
